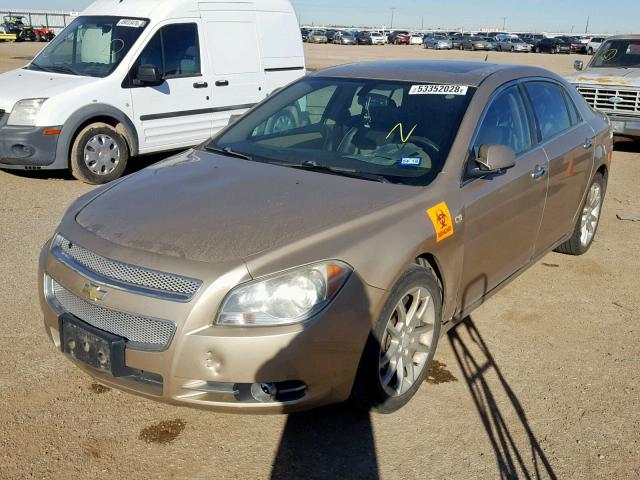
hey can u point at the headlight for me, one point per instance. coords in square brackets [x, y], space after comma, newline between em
[286, 298]
[24, 112]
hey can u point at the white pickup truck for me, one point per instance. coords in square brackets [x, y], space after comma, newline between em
[610, 82]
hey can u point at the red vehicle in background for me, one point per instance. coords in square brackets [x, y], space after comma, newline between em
[43, 34]
[400, 37]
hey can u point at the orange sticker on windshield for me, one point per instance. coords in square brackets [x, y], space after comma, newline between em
[442, 221]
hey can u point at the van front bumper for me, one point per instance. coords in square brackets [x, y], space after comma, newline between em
[24, 147]
[216, 368]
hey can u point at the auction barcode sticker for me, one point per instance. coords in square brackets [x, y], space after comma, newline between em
[438, 90]
[131, 22]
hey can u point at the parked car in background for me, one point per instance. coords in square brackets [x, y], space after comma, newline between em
[304, 32]
[400, 37]
[416, 39]
[111, 87]
[594, 44]
[318, 36]
[511, 44]
[364, 38]
[330, 33]
[473, 191]
[532, 39]
[43, 34]
[437, 42]
[344, 38]
[491, 41]
[475, 43]
[553, 45]
[377, 38]
[610, 83]
[576, 45]
[456, 41]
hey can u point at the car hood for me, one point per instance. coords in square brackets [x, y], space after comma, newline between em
[628, 77]
[19, 84]
[205, 207]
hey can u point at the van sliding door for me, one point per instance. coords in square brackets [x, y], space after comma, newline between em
[234, 55]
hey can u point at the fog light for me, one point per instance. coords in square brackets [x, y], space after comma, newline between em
[264, 392]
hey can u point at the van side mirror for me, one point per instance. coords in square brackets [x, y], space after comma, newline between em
[578, 65]
[492, 160]
[148, 75]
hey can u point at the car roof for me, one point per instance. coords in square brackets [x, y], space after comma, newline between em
[632, 36]
[429, 71]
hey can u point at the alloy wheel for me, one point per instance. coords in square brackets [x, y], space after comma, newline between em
[590, 214]
[407, 342]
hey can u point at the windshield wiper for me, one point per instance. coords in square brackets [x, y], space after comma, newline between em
[60, 69]
[228, 152]
[316, 167]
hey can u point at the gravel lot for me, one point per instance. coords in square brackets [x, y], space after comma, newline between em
[541, 382]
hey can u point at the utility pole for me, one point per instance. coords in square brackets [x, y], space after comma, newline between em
[572, 27]
[586, 29]
[422, 25]
[393, 11]
[504, 23]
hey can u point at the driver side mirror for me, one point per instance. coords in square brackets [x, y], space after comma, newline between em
[578, 65]
[148, 75]
[492, 160]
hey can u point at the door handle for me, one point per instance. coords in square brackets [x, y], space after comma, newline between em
[538, 172]
[222, 83]
[588, 143]
[200, 85]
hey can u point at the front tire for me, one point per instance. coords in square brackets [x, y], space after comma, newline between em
[99, 154]
[400, 349]
[587, 225]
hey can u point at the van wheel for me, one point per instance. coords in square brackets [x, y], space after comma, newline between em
[588, 220]
[400, 349]
[99, 154]
[590, 51]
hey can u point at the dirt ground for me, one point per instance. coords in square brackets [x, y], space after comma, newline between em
[541, 382]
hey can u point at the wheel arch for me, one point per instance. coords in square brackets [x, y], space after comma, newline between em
[94, 113]
[429, 260]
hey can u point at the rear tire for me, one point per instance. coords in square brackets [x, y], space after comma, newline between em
[590, 52]
[99, 154]
[587, 224]
[396, 342]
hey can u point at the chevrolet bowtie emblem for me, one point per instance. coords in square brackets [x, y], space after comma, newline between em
[93, 292]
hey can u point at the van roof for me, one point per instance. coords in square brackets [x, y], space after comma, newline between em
[162, 9]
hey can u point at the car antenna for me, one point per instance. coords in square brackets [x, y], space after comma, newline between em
[486, 58]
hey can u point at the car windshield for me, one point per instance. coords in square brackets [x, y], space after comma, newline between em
[618, 53]
[90, 46]
[378, 130]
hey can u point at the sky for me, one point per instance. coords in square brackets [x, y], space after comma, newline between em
[517, 15]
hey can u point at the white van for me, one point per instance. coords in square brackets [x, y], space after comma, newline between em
[130, 77]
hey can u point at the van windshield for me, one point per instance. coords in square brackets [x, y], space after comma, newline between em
[389, 131]
[90, 46]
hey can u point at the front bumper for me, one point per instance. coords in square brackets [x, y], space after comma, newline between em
[624, 126]
[25, 147]
[204, 364]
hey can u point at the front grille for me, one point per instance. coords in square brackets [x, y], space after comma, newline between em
[598, 98]
[142, 333]
[129, 277]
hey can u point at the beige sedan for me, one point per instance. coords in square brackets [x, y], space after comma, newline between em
[316, 250]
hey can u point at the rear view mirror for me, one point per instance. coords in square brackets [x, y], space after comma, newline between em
[578, 65]
[492, 160]
[148, 75]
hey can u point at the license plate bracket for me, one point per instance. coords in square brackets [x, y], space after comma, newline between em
[93, 347]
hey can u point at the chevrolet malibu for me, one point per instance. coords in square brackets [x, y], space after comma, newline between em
[317, 248]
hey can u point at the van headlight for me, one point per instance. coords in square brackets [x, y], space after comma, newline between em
[289, 297]
[24, 112]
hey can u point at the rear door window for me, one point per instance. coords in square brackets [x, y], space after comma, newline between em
[549, 108]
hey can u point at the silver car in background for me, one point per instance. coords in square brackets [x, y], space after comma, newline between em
[512, 44]
[476, 43]
[437, 42]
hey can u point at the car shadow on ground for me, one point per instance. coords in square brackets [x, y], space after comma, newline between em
[134, 165]
[327, 443]
[626, 145]
[515, 458]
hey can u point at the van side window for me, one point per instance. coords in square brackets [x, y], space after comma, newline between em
[549, 108]
[506, 123]
[174, 50]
